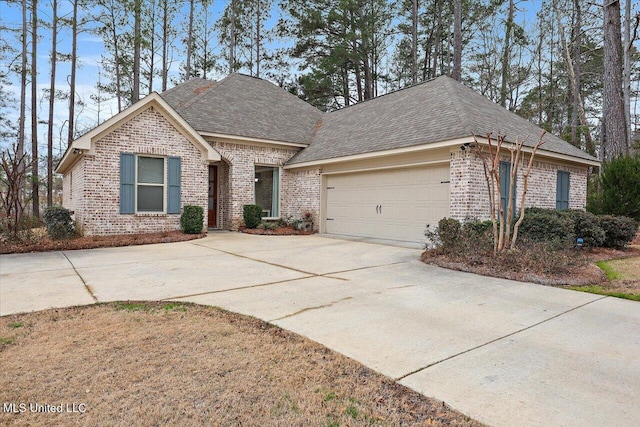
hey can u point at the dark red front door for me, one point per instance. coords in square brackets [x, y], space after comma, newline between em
[213, 196]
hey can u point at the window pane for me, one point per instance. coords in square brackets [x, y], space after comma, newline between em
[151, 170]
[150, 198]
[266, 190]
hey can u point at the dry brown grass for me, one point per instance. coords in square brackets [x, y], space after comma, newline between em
[135, 364]
[628, 282]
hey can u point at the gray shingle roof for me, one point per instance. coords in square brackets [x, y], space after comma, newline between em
[438, 110]
[241, 105]
[179, 95]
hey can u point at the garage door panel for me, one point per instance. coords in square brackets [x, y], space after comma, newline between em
[409, 199]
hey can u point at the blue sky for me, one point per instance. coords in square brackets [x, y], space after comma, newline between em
[90, 49]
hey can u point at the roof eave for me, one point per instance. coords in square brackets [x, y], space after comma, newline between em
[85, 144]
[549, 154]
[436, 145]
[240, 138]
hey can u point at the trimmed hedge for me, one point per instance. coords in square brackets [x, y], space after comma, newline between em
[192, 219]
[619, 230]
[252, 215]
[550, 225]
[587, 226]
[58, 222]
[546, 225]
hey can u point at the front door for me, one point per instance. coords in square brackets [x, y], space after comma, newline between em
[213, 197]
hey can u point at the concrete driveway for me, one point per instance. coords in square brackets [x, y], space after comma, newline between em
[503, 352]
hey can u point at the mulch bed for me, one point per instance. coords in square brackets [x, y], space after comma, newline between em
[581, 275]
[43, 243]
[280, 231]
[584, 273]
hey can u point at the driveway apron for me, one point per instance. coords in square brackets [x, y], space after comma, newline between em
[503, 352]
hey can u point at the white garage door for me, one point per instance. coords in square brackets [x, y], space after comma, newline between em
[391, 204]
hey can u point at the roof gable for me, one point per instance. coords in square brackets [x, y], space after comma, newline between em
[245, 106]
[86, 143]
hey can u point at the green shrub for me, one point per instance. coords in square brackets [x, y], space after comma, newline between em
[594, 194]
[472, 241]
[478, 227]
[192, 219]
[58, 222]
[252, 215]
[265, 225]
[619, 230]
[587, 226]
[449, 232]
[546, 225]
[620, 187]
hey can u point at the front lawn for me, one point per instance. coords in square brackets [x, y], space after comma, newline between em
[623, 279]
[159, 363]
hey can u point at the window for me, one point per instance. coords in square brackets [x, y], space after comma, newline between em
[150, 184]
[267, 190]
[562, 191]
[505, 182]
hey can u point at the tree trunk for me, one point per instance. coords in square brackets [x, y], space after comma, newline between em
[152, 45]
[52, 91]
[506, 56]
[72, 79]
[23, 101]
[356, 55]
[187, 71]
[258, 41]
[232, 39]
[137, 40]
[576, 41]
[457, 40]
[116, 59]
[626, 75]
[615, 127]
[365, 54]
[437, 41]
[35, 175]
[414, 42]
[574, 79]
[165, 42]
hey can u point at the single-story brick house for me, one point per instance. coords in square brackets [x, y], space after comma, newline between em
[382, 168]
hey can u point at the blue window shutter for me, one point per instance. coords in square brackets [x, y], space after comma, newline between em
[562, 191]
[127, 183]
[505, 183]
[173, 185]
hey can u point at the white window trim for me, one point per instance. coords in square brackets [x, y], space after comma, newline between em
[268, 218]
[163, 185]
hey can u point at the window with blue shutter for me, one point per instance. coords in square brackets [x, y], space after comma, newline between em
[505, 182]
[562, 191]
[127, 183]
[173, 185]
